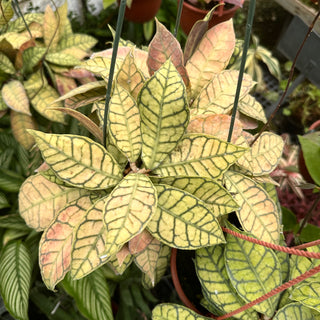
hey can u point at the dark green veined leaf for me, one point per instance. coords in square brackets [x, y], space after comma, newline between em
[215, 283]
[164, 114]
[200, 155]
[91, 294]
[6, 65]
[254, 270]
[294, 311]
[31, 57]
[62, 59]
[308, 295]
[183, 221]
[76, 41]
[20, 23]
[15, 278]
[6, 12]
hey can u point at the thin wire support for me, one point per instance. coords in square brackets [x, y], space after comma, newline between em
[176, 28]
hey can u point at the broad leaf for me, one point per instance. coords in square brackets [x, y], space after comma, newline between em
[15, 279]
[249, 106]
[264, 155]
[164, 117]
[31, 57]
[162, 47]
[76, 41]
[254, 270]
[308, 295]
[119, 266]
[40, 200]
[294, 311]
[89, 243]
[124, 123]
[14, 95]
[78, 160]
[139, 242]
[20, 23]
[217, 96]
[91, 294]
[62, 59]
[212, 55]
[128, 209]
[12, 221]
[258, 213]
[6, 12]
[217, 198]
[50, 29]
[183, 221]
[36, 81]
[100, 66]
[200, 155]
[215, 283]
[56, 241]
[6, 65]
[167, 311]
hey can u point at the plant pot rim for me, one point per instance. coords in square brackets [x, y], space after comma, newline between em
[203, 11]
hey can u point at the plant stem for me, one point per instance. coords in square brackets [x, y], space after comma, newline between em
[112, 66]
[246, 43]
[176, 28]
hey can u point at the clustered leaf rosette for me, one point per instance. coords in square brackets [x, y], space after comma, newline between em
[37, 54]
[167, 176]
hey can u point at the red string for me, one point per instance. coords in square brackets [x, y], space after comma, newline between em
[296, 251]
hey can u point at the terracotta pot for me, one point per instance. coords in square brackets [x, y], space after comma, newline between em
[191, 14]
[302, 165]
[142, 11]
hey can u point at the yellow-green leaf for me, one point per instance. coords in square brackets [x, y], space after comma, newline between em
[36, 81]
[43, 98]
[308, 295]
[164, 114]
[128, 210]
[217, 96]
[89, 242]
[254, 270]
[124, 123]
[264, 155]
[217, 198]
[121, 159]
[56, 242]
[166, 311]
[129, 76]
[14, 95]
[249, 106]
[6, 12]
[100, 66]
[183, 221]
[215, 283]
[31, 57]
[258, 213]
[78, 160]
[211, 56]
[62, 59]
[76, 41]
[50, 29]
[20, 122]
[119, 267]
[6, 65]
[20, 23]
[40, 200]
[200, 155]
[294, 311]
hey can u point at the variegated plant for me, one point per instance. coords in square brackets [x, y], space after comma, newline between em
[165, 176]
[37, 54]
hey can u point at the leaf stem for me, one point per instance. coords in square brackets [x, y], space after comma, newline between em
[246, 43]
[112, 66]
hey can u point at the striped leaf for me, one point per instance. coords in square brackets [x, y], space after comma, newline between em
[15, 278]
[250, 107]
[216, 125]
[44, 98]
[40, 200]
[77, 160]
[254, 270]
[91, 294]
[217, 96]
[12, 221]
[62, 59]
[50, 29]
[264, 155]
[129, 76]
[20, 122]
[139, 242]
[161, 266]
[217, 198]
[167, 311]
[200, 155]
[294, 311]
[183, 221]
[124, 123]
[15, 97]
[258, 213]
[31, 57]
[215, 283]
[164, 117]
[162, 47]
[57, 239]
[211, 56]
[308, 295]
[76, 41]
[128, 209]
[3, 202]
[6, 65]
[89, 242]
